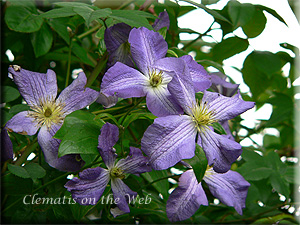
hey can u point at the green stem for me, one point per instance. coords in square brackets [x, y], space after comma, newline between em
[110, 109]
[99, 67]
[163, 178]
[135, 105]
[27, 152]
[69, 65]
[90, 31]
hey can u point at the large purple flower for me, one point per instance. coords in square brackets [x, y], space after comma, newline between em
[116, 40]
[230, 187]
[39, 91]
[93, 181]
[147, 47]
[172, 138]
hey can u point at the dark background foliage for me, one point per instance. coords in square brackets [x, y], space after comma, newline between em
[69, 35]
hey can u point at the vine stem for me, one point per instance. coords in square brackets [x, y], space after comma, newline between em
[163, 178]
[27, 152]
[69, 64]
[98, 68]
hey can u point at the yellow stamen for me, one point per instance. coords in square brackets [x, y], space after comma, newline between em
[116, 172]
[47, 113]
[202, 116]
[155, 78]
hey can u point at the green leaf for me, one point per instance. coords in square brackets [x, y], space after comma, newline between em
[79, 211]
[19, 171]
[218, 128]
[272, 12]
[229, 47]
[89, 14]
[18, 108]
[81, 53]
[163, 32]
[9, 94]
[198, 162]
[214, 13]
[131, 18]
[77, 117]
[129, 119]
[80, 139]
[283, 107]
[254, 77]
[205, 62]
[22, 19]
[240, 13]
[35, 170]
[256, 25]
[257, 173]
[280, 185]
[161, 186]
[59, 12]
[42, 40]
[31, 170]
[275, 219]
[74, 4]
[60, 26]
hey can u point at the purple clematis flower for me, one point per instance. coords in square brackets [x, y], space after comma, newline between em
[172, 138]
[116, 40]
[6, 146]
[93, 181]
[39, 91]
[227, 89]
[230, 187]
[147, 48]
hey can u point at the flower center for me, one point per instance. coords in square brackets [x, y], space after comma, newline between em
[117, 173]
[202, 116]
[47, 113]
[155, 78]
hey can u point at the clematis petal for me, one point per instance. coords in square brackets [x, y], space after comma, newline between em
[107, 139]
[6, 146]
[123, 81]
[231, 188]
[116, 41]
[181, 87]
[107, 101]
[22, 123]
[49, 146]
[186, 199]
[201, 79]
[169, 140]
[221, 86]
[76, 96]
[123, 193]
[161, 103]
[35, 88]
[220, 151]
[162, 21]
[146, 47]
[135, 163]
[88, 189]
[226, 108]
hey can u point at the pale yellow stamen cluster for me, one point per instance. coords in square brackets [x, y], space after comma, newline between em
[155, 77]
[116, 172]
[202, 116]
[47, 113]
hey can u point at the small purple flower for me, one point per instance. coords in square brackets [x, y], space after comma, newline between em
[220, 85]
[6, 146]
[39, 91]
[172, 138]
[93, 181]
[230, 187]
[116, 40]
